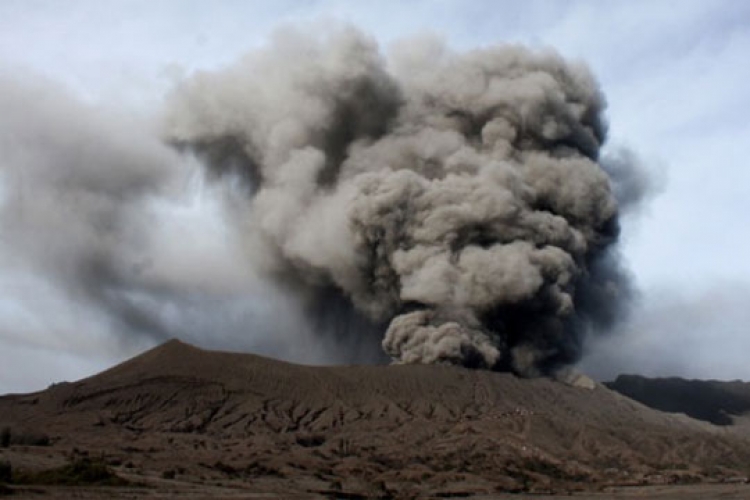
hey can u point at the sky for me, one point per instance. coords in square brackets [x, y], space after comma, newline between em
[674, 73]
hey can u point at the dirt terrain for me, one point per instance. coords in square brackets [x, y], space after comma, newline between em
[181, 422]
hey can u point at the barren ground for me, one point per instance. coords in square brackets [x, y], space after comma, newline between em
[180, 422]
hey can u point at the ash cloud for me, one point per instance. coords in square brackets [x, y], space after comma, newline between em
[111, 239]
[322, 202]
[451, 206]
[75, 179]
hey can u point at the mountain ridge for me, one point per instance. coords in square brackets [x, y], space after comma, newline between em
[406, 429]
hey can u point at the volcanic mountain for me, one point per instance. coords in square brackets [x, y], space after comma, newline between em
[186, 420]
[721, 403]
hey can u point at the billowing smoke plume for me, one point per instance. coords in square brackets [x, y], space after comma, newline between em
[455, 201]
[111, 241]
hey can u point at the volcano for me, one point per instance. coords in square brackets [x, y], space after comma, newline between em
[201, 423]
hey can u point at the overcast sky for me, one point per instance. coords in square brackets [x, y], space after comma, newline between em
[675, 75]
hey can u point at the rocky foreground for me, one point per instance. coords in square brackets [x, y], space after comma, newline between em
[185, 422]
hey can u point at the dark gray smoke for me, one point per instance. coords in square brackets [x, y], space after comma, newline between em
[452, 206]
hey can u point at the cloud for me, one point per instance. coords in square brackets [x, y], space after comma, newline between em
[694, 334]
[112, 240]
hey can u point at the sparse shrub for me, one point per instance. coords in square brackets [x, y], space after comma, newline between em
[5, 436]
[6, 472]
[30, 439]
[23, 438]
[225, 468]
[311, 441]
[344, 447]
[80, 472]
[258, 469]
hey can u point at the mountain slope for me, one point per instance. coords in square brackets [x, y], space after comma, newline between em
[710, 400]
[366, 430]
